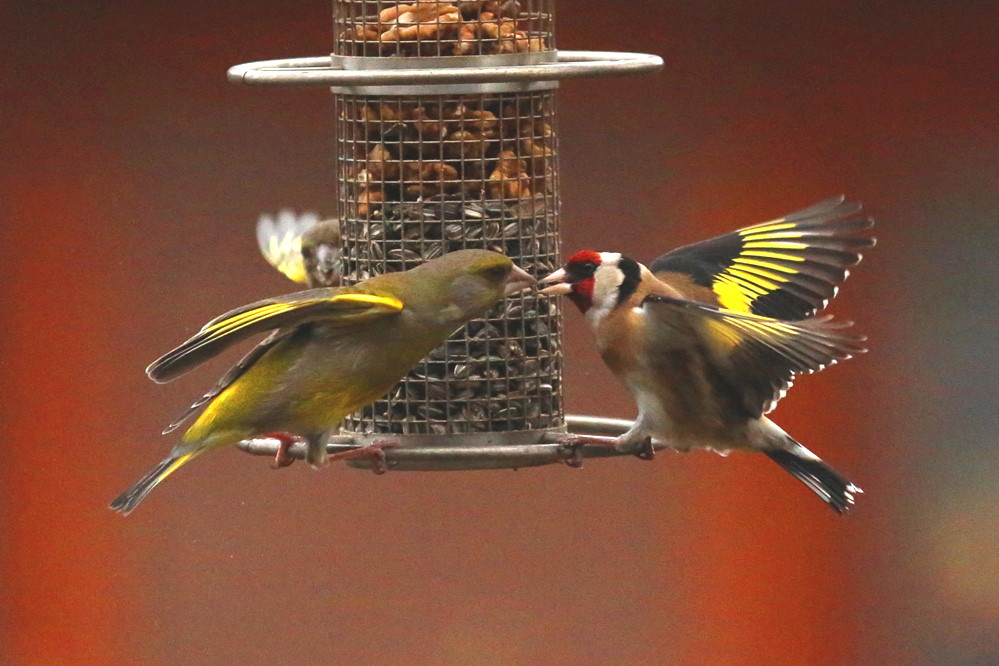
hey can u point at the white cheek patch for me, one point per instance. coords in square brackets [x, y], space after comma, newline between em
[608, 278]
[606, 281]
[605, 289]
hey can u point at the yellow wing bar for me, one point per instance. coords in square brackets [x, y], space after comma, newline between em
[787, 268]
[328, 305]
[388, 302]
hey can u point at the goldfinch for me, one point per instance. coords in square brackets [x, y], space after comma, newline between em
[331, 352]
[302, 247]
[708, 338]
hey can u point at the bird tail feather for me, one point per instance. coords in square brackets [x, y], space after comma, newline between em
[808, 468]
[130, 499]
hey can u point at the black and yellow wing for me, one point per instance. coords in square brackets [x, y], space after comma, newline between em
[332, 306]
[751, 360]
[788, 268]
[280, 241]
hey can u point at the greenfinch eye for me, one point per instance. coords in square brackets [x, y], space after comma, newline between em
[497, 272]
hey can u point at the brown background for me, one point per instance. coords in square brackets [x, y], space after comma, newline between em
[133, 175]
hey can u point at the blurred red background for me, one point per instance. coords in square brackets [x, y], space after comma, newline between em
[133, 174]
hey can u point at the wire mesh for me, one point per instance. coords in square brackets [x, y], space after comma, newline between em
[419, 176]
[422, 175]
[436, 28]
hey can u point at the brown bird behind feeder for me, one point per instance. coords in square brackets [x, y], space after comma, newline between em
[303, 247]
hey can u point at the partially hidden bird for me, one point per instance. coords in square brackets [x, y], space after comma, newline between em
[330, 352]
[303, 247]
[709, 336]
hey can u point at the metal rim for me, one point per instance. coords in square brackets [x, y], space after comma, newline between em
[322, 71]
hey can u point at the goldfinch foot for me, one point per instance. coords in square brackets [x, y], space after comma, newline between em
[645, 450]
[640, 448]
[570, 450]
[282, 458]
[375, 453]
[570, 447]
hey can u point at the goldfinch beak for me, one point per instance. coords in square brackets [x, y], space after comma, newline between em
[517, 280]
[557, 285]
[328, 264]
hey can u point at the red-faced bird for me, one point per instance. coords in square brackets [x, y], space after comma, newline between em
[709, 337]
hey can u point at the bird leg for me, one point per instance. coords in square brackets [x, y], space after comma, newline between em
[285, 440]
[315, 451]
[374, 452]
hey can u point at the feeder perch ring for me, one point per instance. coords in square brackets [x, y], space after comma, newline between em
[367, 75]
[495, 450]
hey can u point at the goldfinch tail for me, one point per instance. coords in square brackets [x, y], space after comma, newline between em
[808, 468]
[130, 499]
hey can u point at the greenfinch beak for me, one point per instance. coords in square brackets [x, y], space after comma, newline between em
[557, 285]
[517, 280]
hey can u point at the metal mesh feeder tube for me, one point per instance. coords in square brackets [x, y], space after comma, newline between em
[446, 138]
[422, 28]
[423, 175]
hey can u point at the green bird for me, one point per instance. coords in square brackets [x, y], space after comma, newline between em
[331, 352]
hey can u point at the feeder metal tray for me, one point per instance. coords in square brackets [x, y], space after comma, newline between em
[497, 450]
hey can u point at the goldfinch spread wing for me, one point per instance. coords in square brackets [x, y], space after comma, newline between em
[280, 241]
[332, 306]
[751, 360]
[788, 268]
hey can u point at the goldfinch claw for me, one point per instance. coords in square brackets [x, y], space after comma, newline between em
[570, 450]
[645, 450]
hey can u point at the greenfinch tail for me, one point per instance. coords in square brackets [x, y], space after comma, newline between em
[130, 499]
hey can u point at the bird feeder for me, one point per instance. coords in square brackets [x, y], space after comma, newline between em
[447, 138]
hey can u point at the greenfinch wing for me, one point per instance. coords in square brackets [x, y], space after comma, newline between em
[752, 359]
[228, 378]
[332, 306]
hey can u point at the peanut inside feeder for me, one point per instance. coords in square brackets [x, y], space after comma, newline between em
[433, 28]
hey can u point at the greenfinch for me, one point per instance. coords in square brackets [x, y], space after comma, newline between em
[303, 247]
[331, 351]
[709, 336]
